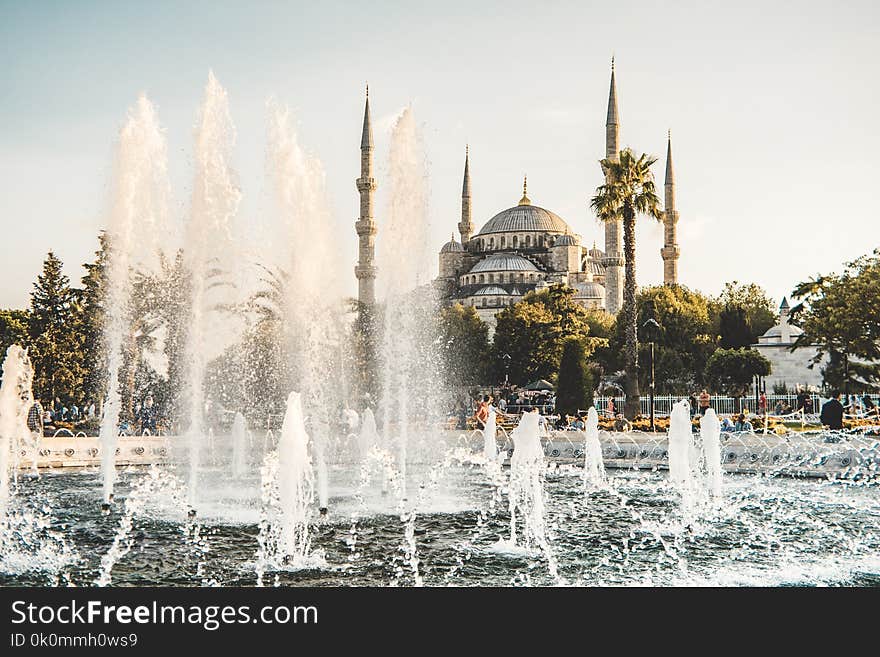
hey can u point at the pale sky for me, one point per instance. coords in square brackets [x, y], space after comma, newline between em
[772, 107]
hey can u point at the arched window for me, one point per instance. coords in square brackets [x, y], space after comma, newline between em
[484, 302]
[515, 241]
[528, 241]
[491, 278]
[491, 242]
[540, 240]
[481, 278]
[503, 241]
[521, 278]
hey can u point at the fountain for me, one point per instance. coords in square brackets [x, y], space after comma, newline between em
[490, 448]
[368, 437]
[16, 400]
[137, 220]
[288, 497]
[210, 258]
[710, 432]
[407, 353]
[594, 467]
[681, 448]
[796, 508]
[239, 438]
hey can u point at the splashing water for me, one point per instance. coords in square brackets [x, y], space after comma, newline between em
[16, 400]
[408, 352]
[239, 438]
[209, 254]
[710, 431]
[138, 219]
[288, 497]
[681, 446]
[368, 437]
[594, 466]
[490, 448]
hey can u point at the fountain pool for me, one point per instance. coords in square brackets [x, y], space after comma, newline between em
[762, 530]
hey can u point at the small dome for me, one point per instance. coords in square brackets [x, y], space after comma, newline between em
[596, 254]
[452, 247]
[566, 239]
[595, 268]
[589, 290]
[504, 262]
[490, 290]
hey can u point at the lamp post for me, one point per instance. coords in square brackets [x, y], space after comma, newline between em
[506, 358]
[651, 326]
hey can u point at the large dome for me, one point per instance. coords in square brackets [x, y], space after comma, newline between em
[525, 218]
[504, 262]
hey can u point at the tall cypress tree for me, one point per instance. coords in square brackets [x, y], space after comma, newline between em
[574, 387]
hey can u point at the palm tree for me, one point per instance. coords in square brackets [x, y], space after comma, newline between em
[627, 192]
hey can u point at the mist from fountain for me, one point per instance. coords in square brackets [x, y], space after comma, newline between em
[138, 219]
[313, 264]
[368, 436]
[239, 448]
[16, 400]
[408, 352]
[210, 257]
[594, 466]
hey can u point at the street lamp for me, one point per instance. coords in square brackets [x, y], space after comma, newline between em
[651, 326]
[506, 358]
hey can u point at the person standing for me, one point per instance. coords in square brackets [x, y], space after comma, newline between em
[35, 420]
[704, 401]
[482, 413]
[832, 412]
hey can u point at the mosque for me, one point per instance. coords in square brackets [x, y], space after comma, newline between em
[523, 248]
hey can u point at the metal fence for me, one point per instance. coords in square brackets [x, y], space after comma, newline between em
[721, 403]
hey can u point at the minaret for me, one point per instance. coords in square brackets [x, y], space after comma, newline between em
[466, 225]
[613, 259]
[365, 271]
[670, 250]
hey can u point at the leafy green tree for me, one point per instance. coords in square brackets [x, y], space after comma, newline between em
[464, 345]
[574, 385]
[55, 330]
[840, 316]
[13, 329]
[733, 327]
[732, 370]
[742, 312]
[682, 343]
[533, 332]
[629, 191]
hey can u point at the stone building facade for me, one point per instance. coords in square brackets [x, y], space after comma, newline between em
[791, 368]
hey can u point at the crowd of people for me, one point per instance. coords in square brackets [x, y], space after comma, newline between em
[44, 420]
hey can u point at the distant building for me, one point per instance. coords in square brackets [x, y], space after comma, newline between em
[788, 367]
[527, 247]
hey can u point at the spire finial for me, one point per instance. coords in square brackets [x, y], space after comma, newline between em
[612, 62]
[525, 198]
[669, 134]
[367, 133]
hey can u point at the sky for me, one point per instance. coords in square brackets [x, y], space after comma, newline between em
[772, 108]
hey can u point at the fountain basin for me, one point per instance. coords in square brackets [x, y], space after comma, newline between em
[70, 452]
